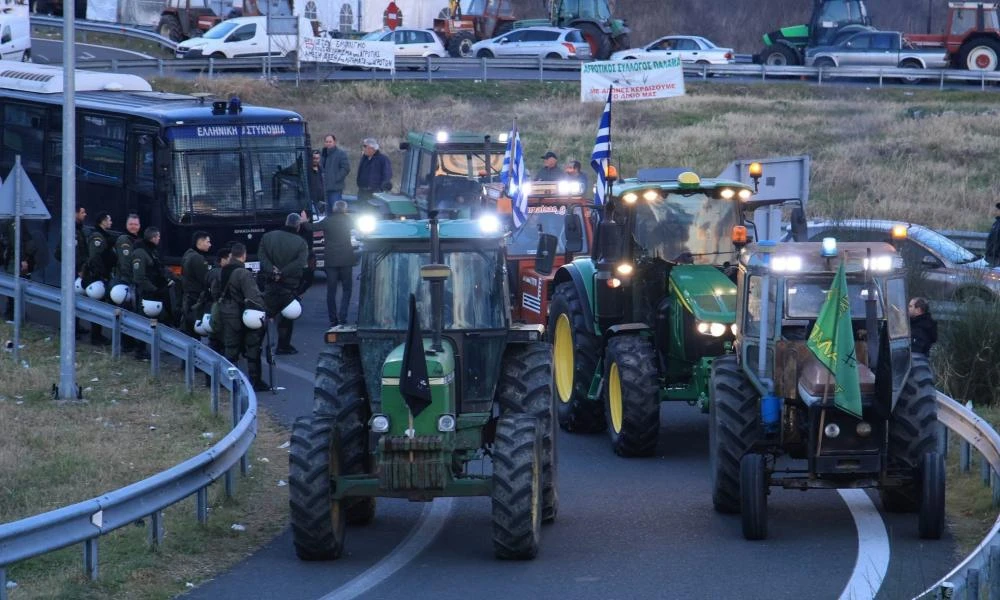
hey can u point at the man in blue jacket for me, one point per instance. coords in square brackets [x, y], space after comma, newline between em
[374, 172]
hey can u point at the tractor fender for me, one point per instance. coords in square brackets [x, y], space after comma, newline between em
[626, 328]
[581, 273]
[598, 24]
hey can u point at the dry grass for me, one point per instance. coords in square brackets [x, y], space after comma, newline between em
[917, 155]
[128, 427]
[969, 502]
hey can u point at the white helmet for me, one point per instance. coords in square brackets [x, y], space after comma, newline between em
[199, 328]
[120, 293]
[204, 325]
[152, 308]
[96, 290]
[253, 318]
[78, 285]
[293, 310]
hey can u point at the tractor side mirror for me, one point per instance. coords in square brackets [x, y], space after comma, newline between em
[930, 262]
[546, 254]
[609, 246]
[574, 233]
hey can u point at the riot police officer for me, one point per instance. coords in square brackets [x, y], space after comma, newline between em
[283, 260]
[194, 270]
[97, 270]
[241, 307]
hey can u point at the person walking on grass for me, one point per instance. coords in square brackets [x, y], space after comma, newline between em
[923, 327]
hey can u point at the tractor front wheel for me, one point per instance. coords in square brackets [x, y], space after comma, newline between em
[318, 521]
[575, 348]
[779, 55]
[339, 393]
[913, 432]
[631, 393]
[732, 429]
[526, 389]
[931, 517]
[753, 496]
[517, 487]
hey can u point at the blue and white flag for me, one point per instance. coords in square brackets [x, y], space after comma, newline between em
[519, 199]
[602, 153]
[505, 167]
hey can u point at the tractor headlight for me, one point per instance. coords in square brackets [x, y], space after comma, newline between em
[489, 224]
[366, 223]
[734, 328]
[650, 195]
[624, 269]
[442, 136]
[832, 430]
[712, 329]
[567, 188]
[727, 193]
[446, 423]
[745, 194]
[864, 429]
[630, 198]
[881, 263]
[379, 424]
[786, 263]
[614, 282]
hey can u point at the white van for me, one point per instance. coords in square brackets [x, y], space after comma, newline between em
[15, 37]
[242, 36]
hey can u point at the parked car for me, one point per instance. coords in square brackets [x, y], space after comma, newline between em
[15, 37]
[692, 49]
[241, 37]
[534, 42]
[419, 43]
[947, 270]
[877, 49]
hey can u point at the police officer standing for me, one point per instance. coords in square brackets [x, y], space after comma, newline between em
[99, 266]
[153, 281]
[238, 294]
[213, 286]
[124, 248]
[283, 259]
[194, 271]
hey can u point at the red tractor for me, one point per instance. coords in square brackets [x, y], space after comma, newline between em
[482, 20]
[971, 38]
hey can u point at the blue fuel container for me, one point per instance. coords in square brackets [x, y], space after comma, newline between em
[770, 412]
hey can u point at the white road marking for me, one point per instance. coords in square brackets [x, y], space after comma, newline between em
[432, 520]
[873, 547]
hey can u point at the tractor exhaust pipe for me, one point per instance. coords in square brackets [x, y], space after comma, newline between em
[437, 286]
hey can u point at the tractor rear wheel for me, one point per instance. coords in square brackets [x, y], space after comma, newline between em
[460, 44]
[170, 28]
[931, 518]
[575, 348]
[631, 395]
[339, 393]
[913, 432]
[517, 487]
[526, 389]
[600, 42]
[981, 54]
[732, 429]
[622, 42]
[779, 55]
[318, 521]
[753, 496]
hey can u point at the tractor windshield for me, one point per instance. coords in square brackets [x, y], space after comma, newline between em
[473, 294]
[804, 299]
[686, 223]
[544, 219]
[468, 164]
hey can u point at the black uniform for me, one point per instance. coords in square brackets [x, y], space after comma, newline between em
[194, 271]
[99, 265]
[923, 332]
[283, 259]
[152, 279]
[237, 291]
[124, 246]
[993, 244]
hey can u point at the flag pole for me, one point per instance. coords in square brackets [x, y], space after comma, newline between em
[607, 167]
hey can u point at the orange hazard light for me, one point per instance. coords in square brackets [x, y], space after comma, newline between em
[739, 234]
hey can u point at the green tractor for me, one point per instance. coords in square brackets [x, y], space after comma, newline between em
[641, 319]
[831, 22]
[823, 391]
[603, 33]
[401, 414]
[444, 170]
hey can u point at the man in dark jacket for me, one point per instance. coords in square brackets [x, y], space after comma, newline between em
[550, 168]
[923, 328]
[124, 247]
[374, 171]
[339, 262]
[283, 259]
[336, 166]
[194, 271]
[993, 241]
[100, 265]
[317, 186]
[237, 291]
[153, 280]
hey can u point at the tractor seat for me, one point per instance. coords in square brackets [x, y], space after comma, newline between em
[813, 376]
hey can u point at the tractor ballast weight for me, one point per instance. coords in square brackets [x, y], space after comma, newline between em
[774, 418]
[402, 414]
[831, 21]
[641, 320]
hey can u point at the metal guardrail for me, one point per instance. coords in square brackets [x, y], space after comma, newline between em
[88, 520]
[970, 240]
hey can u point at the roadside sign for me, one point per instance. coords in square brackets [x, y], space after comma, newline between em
[31, 207]
[785, 179]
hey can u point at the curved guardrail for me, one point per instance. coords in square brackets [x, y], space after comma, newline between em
[88, 520]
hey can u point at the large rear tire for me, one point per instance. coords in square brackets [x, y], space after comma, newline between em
[913, 432]
[339, 394]
[733, 416]
[170, 28]
[779, 55]
[931, 518]
[460, 44]
[526, 389]
[600, 42]
[575, 348]
[517, 487]
[631, 395]
[980, 54]
[318, 521]
[753, 496]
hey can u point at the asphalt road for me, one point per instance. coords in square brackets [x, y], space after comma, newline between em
[49, 52]
[627, 528]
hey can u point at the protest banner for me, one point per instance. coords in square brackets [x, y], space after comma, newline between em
[355, 53]
[631, 80]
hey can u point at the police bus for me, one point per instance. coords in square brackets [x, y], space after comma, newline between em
[182, 163]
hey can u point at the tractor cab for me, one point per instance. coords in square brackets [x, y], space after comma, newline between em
[446, 170]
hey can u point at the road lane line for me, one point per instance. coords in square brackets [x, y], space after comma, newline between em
[873, 547]
[432, 520]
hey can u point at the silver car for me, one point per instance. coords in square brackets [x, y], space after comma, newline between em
[946, 270]
[535, 42]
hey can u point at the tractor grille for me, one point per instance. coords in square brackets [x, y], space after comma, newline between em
[412, 463]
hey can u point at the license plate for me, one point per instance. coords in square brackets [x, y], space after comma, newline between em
[253, 265]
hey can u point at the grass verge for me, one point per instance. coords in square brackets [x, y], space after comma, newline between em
[127, 427]
[971, 513]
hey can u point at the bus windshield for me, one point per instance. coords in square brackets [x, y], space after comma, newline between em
[254, 171]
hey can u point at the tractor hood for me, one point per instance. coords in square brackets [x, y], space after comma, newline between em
[441, 377]
[705, 292]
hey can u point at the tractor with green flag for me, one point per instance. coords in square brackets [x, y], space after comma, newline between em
[434, 393]
[823, 391]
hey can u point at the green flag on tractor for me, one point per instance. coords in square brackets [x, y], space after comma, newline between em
[832, 341]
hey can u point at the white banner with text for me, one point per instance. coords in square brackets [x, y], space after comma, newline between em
[355, 53]
[631, 80]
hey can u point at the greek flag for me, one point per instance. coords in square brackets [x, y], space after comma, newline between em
[602, 153]
[519, 199]
[505, 167]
